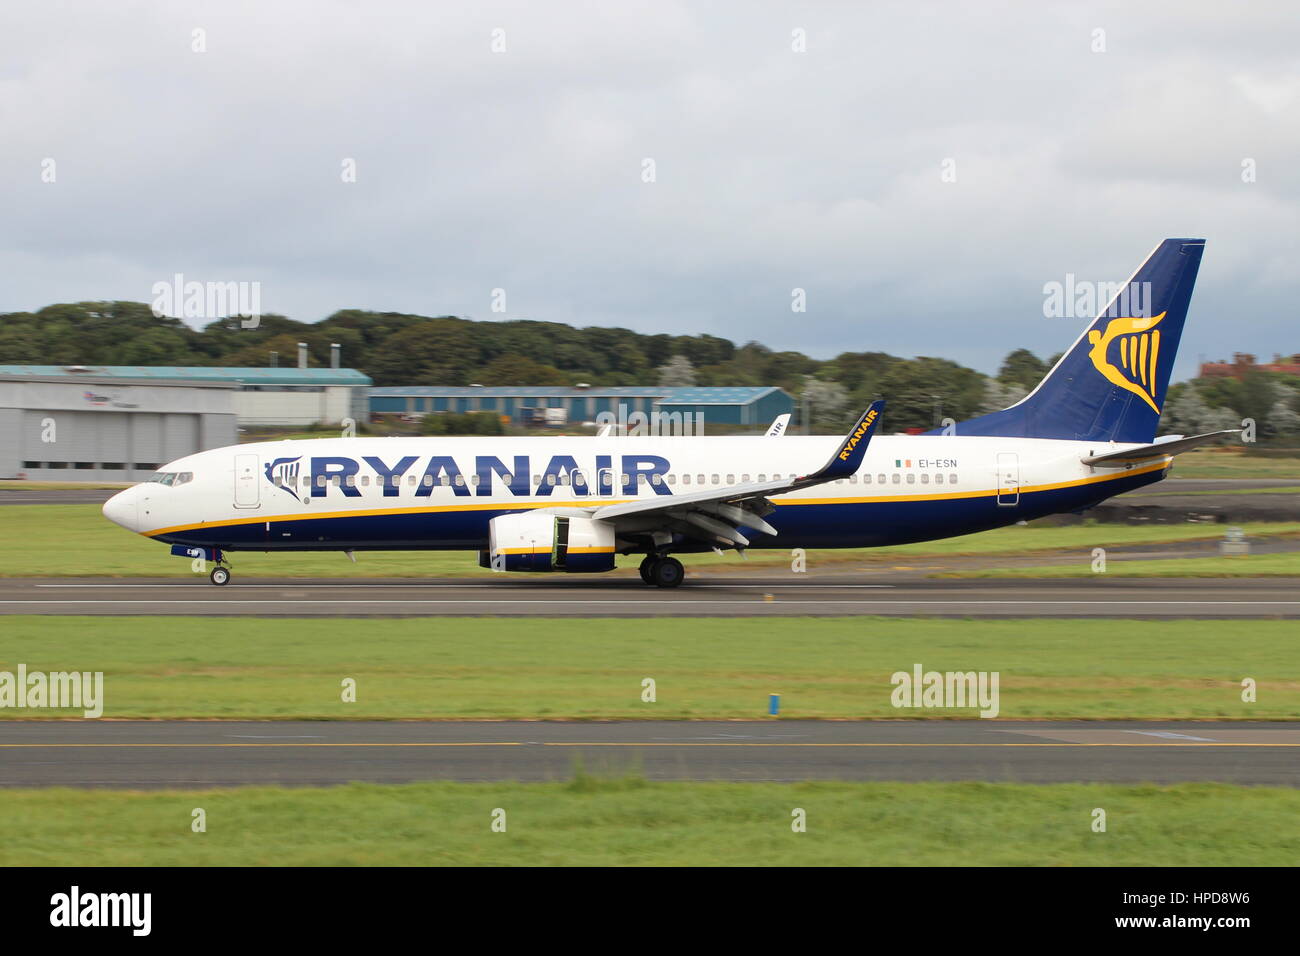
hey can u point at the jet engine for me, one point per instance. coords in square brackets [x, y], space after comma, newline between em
[546, 541]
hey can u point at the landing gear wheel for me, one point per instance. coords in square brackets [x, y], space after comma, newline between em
[646, 568]
[667, 573]
[219, 576]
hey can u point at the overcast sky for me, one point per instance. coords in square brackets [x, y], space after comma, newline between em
[774, 169]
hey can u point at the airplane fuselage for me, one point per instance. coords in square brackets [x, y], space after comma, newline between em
[441, 493]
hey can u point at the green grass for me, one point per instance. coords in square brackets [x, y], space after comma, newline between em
[1213, 566]
[1232, 463]
[631, 822]
[77, 541]
[489, 668]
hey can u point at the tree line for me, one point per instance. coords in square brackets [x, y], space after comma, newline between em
[403, 349]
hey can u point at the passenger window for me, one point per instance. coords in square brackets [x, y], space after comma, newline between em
[762, 477]
[925, 479]
[744, 478]
[880, 479]
[952, 479]
[715, 479]
[911, 478]
[699, 479]
[731, 479]
[550, 481]
[564, 479]
[897, 479]
[507, 479]
[460, 481]
[350, 481]
[579, 479]
[365, 481]
[672, 479]
[474, 479]
[866, 479]
[686, 479]
[938, 479]
[335, 481]
[656, 479]
[428, 480]
[445, 481]
[623, 479]
[410, 480]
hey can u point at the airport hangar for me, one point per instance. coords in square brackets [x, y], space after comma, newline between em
[120, 422]
[734, 406]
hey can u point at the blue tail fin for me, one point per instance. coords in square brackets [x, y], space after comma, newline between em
[1110, 385]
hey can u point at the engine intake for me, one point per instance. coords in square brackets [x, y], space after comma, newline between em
[545, 541]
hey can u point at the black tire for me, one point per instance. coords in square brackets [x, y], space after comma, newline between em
[219, 576]
[667, 573]
[647, 569]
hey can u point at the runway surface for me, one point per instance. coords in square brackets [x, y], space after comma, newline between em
[156, 754]
[785, 595]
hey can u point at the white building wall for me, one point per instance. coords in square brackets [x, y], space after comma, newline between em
[294, 407]
[89, 429]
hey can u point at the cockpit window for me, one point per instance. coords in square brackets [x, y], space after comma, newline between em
[172, 478]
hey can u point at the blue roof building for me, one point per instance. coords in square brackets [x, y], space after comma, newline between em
[733, 405]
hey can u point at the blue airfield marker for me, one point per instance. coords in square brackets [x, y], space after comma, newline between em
[774, 704]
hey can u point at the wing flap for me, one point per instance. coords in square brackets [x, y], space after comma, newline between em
[719, 513]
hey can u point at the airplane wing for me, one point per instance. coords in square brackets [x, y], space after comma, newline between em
[778, 426]
[1152, 452]
[718, 514]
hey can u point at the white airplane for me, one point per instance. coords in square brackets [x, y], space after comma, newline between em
[573, 504]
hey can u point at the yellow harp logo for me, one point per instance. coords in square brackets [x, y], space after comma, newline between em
[1138, 354]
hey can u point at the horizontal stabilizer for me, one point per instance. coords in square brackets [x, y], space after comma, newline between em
[1161, 449]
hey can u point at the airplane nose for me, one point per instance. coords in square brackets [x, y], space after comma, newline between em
[121, 509]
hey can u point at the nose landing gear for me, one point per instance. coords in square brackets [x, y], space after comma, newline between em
[220, 575]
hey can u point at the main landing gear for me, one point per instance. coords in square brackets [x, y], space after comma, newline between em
[662, 572]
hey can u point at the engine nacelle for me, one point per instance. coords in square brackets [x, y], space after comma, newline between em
[545, 541]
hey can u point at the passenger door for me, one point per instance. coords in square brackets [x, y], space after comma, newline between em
[248, 483]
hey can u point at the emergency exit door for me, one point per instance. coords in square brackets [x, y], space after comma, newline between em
[1008, 479]
[247, 485]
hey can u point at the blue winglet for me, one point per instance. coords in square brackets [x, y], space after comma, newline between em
[848, 457]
